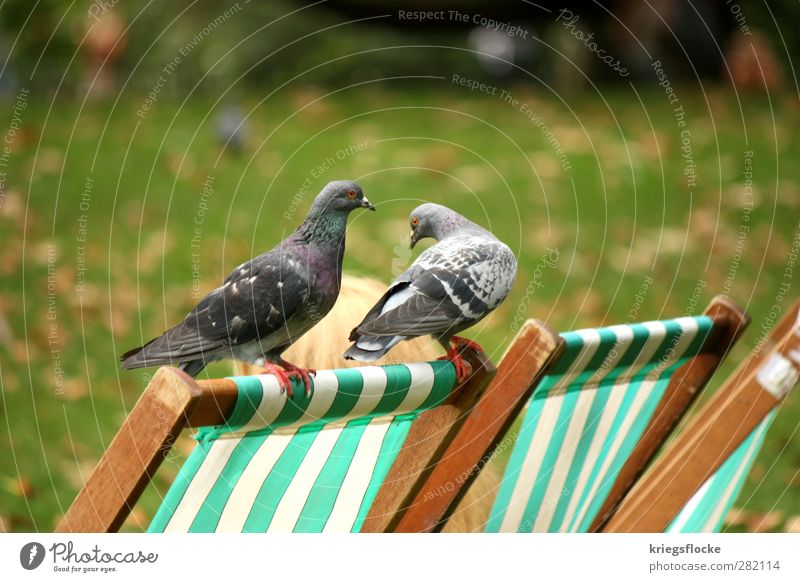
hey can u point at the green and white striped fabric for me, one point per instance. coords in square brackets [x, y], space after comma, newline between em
[706, 510]
[302, 465]
[584, 420]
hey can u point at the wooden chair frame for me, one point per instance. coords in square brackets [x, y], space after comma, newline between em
[713, 434]
[445, 449]
[529, 357]
[532, 353]
[174, 401]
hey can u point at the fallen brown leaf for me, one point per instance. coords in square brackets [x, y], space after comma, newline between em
[20, 487]
[12, 206]
[441, 158]
[74, 389]
[763, 522]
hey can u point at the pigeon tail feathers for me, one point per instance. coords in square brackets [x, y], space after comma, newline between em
[137, 358]
[192, 368]
[369, 348]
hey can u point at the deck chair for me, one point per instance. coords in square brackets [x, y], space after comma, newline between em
[349, 458]
[694, 483]
[705, 512]
[600, 403]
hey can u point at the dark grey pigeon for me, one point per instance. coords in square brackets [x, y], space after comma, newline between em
[267, 303]
[450, 287]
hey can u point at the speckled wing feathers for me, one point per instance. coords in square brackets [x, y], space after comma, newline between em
[257, 299]
[455, 282]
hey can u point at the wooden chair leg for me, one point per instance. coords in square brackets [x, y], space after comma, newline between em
[734, 411]
[134, 455]
[526, 362]
[423, 449]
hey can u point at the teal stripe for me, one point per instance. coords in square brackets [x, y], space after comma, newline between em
[713, 497]
[248, 400]
[325, 490]
[601, 396]
[277, 482]
[293, 409]
[640, 423]
[251, 392]
[605, 343]
[444, 380]
[208, 516]
[398, 380]
[178, 488]
[635, 347]
[631, 438]
[673, 333]
[705, 325]
[636, 344]
[350, 385]
[635, 432]
[512, 471]
[323, 495]
[619, 417]
[704, 328]
[671, 338]
[630, 350]
[392, 443]
[511, 474]
[542, 481]
[573, 346]
[691, 351]
[746, 460]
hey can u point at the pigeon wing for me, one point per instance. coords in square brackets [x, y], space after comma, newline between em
[258, 299]
[449, 289]
[399, 291]
[429, 308]
[398, 288]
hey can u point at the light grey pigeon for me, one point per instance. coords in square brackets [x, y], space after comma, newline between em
[450, 287]
[267, 303]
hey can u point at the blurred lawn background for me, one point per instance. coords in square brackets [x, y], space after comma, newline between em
[92, 183]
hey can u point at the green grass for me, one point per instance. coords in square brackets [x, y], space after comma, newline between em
[621, 213]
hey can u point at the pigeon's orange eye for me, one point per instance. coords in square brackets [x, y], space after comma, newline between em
[351, 194]
[415, 221]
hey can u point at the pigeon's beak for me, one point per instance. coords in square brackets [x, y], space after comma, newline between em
[367, 204]
[414, 239]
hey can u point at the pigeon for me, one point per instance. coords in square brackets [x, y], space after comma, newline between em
[450, 287]
[267, 303]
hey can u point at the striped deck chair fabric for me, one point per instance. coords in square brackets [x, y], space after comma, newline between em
[302, 465]
[584, 420]
[706, 510]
